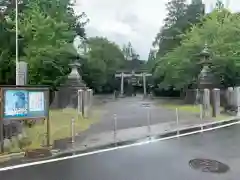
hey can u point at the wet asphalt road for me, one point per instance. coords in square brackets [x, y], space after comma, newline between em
[132, 112]
[165, 160]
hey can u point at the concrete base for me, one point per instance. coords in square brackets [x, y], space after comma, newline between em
[121, 95]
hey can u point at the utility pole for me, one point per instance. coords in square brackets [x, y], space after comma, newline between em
[16, 24]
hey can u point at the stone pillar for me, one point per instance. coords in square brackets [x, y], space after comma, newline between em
[80, 102]
[230, 97]
[89, 103]
[90, 94]
[206, 102]
[85, 103]
[237, 99]
[227, 95]
[197, 96]
[22, 73]
[216, 102]
[88, 97]
[144, 85]
[236, 96]
[22, 80]
[122, 84]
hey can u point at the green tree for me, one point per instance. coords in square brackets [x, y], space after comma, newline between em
[103, 59]
[46, 32]
[7, 45]
[180, 68]
[151, 60]
[168, 38]
[179, 20]
[48, 42]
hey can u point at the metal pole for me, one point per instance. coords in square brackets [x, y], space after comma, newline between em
[201, 112]
[149, 121]
[114, 94]
[1, 138]
[238, 111]
[83, 103]
[115, 127]
[73, 130]
[177, 118]
[16, 23]
[122, 84]
[144, 85]
[48, 135]
[1, 122]
[201, 116]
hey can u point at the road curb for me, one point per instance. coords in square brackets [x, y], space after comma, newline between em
[54, 153]
[181, 131]
[199, 127]
[9, 157]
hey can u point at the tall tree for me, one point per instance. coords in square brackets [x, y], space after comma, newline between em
[179, 19]
[167, 38]
[151, 60]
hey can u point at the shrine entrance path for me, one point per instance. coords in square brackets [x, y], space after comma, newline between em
[133, 112]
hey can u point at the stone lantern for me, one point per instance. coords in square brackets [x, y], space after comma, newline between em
[205, 78]
[74, 78]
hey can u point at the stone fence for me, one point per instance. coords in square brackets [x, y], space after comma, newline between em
[77, 98]
[229, 98]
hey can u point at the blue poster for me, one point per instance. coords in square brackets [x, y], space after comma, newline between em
[16, 103]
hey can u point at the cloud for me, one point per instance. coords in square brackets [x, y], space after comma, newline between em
[137, 21]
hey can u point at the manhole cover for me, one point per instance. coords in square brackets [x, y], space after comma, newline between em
[208, 165]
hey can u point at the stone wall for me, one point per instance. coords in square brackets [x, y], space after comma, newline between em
[223, 98]
[190, 96]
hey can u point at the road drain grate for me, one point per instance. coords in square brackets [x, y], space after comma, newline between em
[208, 165]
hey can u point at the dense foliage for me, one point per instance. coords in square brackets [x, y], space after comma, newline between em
[102, 60]
[46, 32]
[179, 20]
[179, 66]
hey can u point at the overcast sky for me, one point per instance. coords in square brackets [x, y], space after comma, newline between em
[137, 21]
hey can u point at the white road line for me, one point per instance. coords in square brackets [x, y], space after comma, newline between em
[111, 149]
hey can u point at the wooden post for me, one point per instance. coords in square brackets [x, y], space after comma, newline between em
[48, 120]
[1, 121]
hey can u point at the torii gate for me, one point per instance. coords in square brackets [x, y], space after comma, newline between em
[122, 75]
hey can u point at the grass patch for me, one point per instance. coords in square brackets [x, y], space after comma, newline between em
[193, 109]
[60, 128]
[186, 108]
